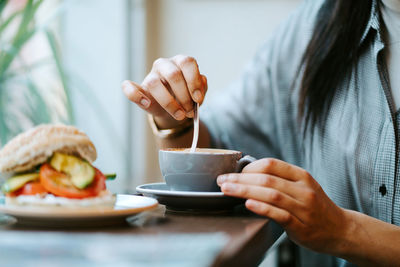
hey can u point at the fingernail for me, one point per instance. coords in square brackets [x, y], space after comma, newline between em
[190, 114]
[179, 115]
[229, 187]
[144, 102]
[197, 95]
[221, 179]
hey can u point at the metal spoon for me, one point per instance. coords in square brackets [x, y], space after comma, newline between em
[196, 128]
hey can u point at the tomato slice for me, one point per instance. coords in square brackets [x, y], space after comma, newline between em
[32, 188]
[59, 184]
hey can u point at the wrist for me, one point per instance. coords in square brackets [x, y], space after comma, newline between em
[176, 130]
[166, 122]
[349, 238]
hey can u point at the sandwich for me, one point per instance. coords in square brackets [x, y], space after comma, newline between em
[51, 165]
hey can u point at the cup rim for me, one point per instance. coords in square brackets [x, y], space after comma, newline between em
[214, 151]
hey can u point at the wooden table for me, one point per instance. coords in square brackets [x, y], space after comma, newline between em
[249, 236]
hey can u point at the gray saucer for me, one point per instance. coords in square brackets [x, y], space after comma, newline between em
[188, 200]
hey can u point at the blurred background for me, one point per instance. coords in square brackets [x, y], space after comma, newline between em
[64, 61]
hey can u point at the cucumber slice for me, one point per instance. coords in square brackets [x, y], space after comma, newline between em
[81, 172]
[110, 176]
[17, 182]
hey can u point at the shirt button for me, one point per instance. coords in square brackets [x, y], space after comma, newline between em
[382, 190]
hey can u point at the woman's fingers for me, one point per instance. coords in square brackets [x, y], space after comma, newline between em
[205, 83]
[263, 180]
[278, 168]
[169, 90]
[152, 83]
[281, 216]
[193, 78]
[264, 194]
[135, 93]
[172, 78]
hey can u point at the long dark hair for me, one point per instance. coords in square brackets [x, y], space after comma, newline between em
[332, 52]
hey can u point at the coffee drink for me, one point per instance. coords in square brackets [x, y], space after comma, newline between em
[198, 171]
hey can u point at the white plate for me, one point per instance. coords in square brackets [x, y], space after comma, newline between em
[125, 206]
[188, 200]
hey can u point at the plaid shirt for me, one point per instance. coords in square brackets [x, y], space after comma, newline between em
[356, 161]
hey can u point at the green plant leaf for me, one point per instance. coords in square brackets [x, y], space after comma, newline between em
[25, 31]
[3, 126]
[28, 17]
[2, 5]
[17, 71]
[8, 56]
[7, 22]
[57, 58]
[38, 110]
[30, 104]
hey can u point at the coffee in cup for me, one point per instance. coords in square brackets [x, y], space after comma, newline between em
[186, 171]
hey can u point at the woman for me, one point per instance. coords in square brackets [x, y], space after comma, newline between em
[318, 107]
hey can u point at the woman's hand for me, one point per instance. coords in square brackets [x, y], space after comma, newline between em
[169, 90]
[291, 197]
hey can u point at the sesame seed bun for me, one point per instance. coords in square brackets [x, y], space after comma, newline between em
[35, 146]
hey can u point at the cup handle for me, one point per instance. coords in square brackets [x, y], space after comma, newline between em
[243, 162]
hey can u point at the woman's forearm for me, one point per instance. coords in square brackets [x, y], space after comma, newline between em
[369, 241]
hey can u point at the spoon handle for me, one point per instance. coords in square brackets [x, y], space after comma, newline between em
[196, 128]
